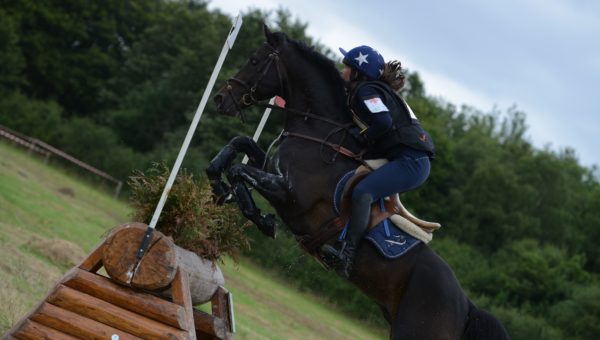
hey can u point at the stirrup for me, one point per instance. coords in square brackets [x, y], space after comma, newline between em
[339, 260]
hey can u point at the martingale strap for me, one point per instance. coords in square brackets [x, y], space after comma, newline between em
[305, 114]
[338, 148]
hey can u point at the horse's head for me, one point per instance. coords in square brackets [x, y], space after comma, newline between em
[261, 77]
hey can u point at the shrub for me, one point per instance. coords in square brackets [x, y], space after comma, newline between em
[189, 215]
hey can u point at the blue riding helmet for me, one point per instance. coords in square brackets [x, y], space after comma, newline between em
[366, 60]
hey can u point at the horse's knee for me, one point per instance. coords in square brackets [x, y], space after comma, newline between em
[248, 146]
[239, 142]
[221, 161]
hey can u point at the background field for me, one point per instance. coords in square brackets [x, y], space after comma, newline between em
[40, 205]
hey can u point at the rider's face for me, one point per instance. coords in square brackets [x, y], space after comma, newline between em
[346, 73]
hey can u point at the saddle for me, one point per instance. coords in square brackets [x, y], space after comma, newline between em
[379, 212]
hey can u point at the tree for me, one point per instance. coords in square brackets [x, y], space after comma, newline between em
[72, 47]
[11, 59]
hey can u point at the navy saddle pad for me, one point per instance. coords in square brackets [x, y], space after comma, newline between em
[391, 241]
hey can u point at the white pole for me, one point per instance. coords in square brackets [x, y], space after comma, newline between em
[237, 23]
[260, 127]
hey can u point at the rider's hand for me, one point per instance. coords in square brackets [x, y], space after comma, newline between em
[355, 133]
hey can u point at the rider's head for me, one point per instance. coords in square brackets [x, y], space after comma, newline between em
[362, 63]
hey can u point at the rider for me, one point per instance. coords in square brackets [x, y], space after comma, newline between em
[386, 125]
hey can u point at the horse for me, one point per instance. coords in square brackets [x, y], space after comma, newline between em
[418, 293]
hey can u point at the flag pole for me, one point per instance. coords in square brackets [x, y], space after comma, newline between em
[228, 45]
[260, 127]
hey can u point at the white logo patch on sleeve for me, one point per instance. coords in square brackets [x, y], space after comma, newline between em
[375, 105]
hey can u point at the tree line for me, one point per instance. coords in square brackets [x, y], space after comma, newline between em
[115, 83]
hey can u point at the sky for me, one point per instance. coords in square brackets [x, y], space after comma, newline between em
[542, 56]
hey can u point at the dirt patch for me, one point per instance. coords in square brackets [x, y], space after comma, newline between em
[67, 191]
[60, 252]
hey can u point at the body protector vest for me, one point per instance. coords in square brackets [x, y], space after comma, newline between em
[406, 129]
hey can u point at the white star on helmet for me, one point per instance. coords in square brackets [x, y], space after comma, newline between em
[362, 58]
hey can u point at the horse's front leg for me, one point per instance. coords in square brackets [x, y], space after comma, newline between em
[222, 161]
[270, 186]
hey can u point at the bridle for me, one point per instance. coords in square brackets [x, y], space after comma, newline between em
[248, 99]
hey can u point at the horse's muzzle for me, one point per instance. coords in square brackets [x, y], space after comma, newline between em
[222, 106]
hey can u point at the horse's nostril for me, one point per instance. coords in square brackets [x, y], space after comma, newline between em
[218, 99]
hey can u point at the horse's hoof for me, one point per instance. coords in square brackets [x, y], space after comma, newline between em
[268, 225]
[221, 193]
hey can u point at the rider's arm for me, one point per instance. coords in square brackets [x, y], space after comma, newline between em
[373, 108]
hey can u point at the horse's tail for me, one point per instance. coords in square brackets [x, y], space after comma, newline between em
[483, 325]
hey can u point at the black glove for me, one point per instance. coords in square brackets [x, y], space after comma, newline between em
[355, 133]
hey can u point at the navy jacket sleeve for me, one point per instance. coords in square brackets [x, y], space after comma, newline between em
[376, 115]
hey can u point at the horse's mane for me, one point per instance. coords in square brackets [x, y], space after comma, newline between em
[325, 66]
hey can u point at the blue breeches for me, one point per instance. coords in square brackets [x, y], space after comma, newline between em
[403, 173]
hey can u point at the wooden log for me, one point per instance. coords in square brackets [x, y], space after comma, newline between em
[33, 331]
[94, 261]
[158, 267]
[220, 309]
[205, 277]
[208, 325]
[141, 303]
[35, 310]
[76, 325]
[113, 316]
[181, 296]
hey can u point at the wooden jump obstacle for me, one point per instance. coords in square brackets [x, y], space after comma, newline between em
[149, 299]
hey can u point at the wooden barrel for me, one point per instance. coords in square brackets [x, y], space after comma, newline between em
[157, 269]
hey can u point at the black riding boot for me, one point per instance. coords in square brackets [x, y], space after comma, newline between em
[359, 220]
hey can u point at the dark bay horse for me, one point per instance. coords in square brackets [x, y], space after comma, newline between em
[418, 293]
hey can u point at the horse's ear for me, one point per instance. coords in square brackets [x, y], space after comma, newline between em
[271, 38]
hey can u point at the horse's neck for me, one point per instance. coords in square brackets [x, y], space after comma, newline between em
[311, 92]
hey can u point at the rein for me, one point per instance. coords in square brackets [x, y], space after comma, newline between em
[336, 147]
[305, 114]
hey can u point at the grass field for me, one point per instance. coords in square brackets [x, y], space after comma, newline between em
[42, 207]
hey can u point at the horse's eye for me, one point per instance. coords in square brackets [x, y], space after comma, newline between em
[253, 61]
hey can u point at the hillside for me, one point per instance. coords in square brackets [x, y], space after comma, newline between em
[48, 219]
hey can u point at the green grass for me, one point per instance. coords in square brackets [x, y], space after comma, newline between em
[33, 207]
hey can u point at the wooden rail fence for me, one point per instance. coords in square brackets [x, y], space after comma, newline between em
[47, 150]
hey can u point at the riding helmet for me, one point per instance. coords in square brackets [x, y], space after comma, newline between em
[366, 60]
